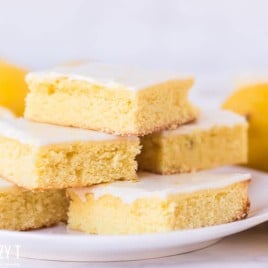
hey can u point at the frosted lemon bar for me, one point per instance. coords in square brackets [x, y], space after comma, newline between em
[217, 138]
[22, 209]
[159, 203]
[35, 155]
[113, 99]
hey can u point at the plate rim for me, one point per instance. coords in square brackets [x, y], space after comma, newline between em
[240, 224]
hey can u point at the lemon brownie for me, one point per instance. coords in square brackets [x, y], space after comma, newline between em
[217, 138]
[35, 155]
[22, 209]
[113, 99]
[159, 203]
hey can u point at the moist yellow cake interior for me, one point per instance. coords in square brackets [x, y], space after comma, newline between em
[201, 149]
[22, 209]
[109, 215]
[95, 106]
[62, 165]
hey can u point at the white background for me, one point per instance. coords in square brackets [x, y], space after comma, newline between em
[217, 40]
[189, 35]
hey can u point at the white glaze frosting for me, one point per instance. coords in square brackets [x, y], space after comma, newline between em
[161, 186]
[208, 120]
[111, 76]
[39, 134]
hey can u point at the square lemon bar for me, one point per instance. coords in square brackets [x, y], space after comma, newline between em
[107, 98]
[159, 203]
[22, 209]
[35, 155]
[217, 138]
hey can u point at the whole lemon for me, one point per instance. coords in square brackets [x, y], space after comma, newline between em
[252, 102]
[13, 88]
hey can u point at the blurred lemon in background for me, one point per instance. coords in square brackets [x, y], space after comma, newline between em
[251, 101]
[13, 88]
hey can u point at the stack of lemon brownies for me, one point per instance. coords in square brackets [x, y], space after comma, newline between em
[89, 127]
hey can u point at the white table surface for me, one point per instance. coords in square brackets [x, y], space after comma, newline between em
[246, 249]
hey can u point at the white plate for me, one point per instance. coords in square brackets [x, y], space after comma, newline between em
[59, 244]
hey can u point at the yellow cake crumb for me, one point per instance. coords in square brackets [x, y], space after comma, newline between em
[218, 138]
[22, 209]
[108, 209]
[42, 156]
[79, 96]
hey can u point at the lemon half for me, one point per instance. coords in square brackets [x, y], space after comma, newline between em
[13, 88]
[251, 101]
